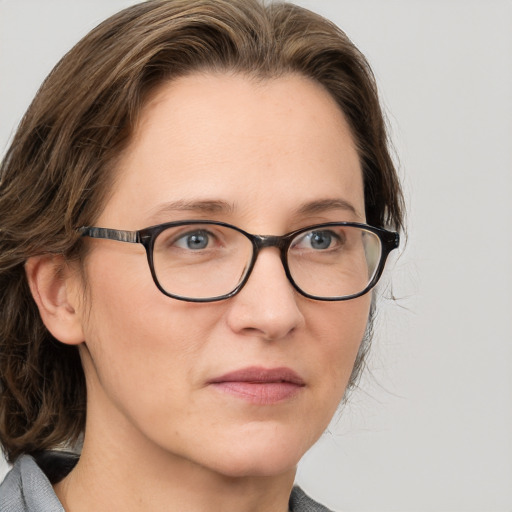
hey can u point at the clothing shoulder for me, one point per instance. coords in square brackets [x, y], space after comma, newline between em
[301, 502]
[27, 489]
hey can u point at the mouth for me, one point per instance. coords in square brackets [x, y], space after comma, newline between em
[260, 386]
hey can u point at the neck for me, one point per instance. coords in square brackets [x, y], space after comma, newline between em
[112, 475]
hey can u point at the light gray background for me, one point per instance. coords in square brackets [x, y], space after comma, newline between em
[431, 427]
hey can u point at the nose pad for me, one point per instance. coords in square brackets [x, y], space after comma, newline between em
[267, 305]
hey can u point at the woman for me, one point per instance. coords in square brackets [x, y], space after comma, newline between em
[200, 357]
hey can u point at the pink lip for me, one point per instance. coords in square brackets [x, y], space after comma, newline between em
[260, 385]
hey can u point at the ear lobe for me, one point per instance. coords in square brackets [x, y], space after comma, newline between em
[54, 288]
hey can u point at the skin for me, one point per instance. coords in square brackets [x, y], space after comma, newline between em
[156, 431]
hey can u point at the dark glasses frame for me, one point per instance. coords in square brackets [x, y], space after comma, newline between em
[389, 240]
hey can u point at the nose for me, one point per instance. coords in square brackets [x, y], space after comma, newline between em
[266, 306]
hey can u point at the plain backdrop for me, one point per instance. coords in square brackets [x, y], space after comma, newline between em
[430, 428]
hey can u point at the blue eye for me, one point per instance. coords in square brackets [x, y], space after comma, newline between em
[317, 241]
[325, 241]
[320, 239]
[195, 240]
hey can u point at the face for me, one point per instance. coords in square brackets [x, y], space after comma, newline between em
[175, 378]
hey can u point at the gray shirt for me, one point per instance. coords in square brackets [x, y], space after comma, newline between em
[27, 487]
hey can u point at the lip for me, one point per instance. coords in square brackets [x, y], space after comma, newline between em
[258, 385]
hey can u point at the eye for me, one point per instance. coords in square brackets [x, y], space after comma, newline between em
[318, 240]
[194, 240]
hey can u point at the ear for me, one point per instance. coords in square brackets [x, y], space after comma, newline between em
[54, 287]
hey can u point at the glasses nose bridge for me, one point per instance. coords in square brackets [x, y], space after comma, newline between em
[260, 242]
[264, 241]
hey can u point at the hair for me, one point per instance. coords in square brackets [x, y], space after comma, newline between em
[59, 169]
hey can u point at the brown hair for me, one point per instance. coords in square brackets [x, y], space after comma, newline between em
[57, 173]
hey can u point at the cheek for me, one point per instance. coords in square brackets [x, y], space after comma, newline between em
[337, 337]
[140, 340]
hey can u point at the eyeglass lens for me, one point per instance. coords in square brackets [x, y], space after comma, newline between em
[206, 261]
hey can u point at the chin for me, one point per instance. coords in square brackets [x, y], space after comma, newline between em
[261, 457]
[261, 467]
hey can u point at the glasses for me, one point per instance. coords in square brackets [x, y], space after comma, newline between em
[206, 261]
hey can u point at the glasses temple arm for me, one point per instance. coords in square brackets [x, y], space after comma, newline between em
[111, 234]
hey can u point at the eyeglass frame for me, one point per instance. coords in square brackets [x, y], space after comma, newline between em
[389, 241]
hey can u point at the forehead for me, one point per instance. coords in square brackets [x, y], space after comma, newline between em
[250, 143]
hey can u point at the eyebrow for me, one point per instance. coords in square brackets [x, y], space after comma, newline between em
[223, 207]
[324, 205]
[203, 206]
